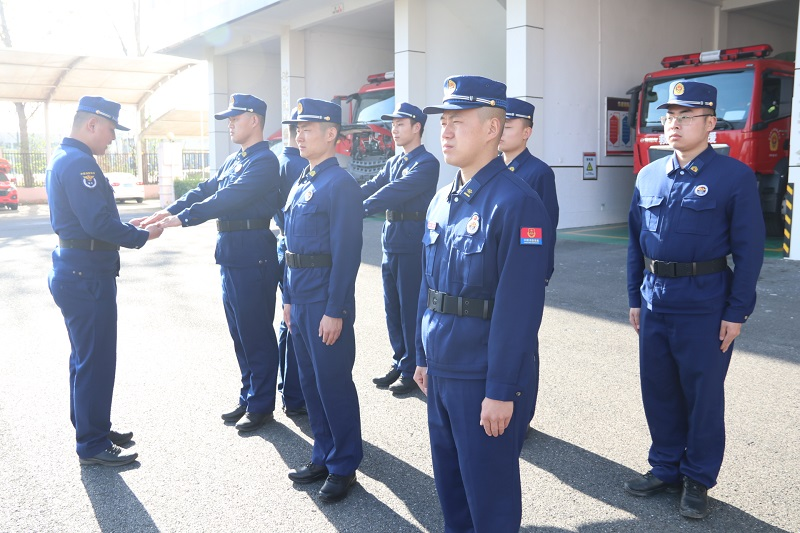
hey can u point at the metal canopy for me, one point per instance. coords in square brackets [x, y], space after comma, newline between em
[46, 77]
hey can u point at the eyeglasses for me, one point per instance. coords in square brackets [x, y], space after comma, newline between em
[681, 120]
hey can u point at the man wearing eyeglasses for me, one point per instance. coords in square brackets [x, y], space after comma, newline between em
[689, 212]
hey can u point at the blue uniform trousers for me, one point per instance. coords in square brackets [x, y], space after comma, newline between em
[89, 306]
[683, 376]
[326, 375]
[477, 476]
[248, 295]
[402, 276]
[288, 375]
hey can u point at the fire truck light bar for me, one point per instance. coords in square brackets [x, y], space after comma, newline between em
[728, 54]
[378, 78]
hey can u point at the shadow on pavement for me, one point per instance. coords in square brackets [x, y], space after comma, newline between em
[602, 479]
[115, 506]
[361, 511]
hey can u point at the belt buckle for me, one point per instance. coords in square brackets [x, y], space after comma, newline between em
[435, 301]
[667, 269]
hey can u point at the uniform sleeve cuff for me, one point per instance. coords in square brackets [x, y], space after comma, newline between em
[504, 392]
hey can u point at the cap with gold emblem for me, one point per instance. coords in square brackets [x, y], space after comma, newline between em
[313, 110]
[691, 94]
[469, 92]
[243, 103]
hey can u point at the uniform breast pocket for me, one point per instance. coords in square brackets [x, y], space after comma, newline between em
[696, 215]
[467, 263]
[305, 220]
[651, 211]
[429, 239]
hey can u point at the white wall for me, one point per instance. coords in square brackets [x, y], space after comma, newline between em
[257, 72]
[338, 62]
[743, 31]
[463, 37]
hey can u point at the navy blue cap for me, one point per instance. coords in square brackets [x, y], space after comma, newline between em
[105, 108]
[243, 103]
[691, 94]
[313, 110]
[519, 109]
[406, 110]
[470, 92]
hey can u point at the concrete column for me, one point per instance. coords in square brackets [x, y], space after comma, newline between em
[218, 137]
[525, 60]
[720, 29]
[410, 45]
[293, 72]
[794, 156]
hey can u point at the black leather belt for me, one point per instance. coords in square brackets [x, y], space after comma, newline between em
[398, 216]
[242, 225]
[307, 260]
[666, 269]
[93, 245]
[456, 305]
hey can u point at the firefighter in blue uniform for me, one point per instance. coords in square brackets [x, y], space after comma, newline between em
[689, 212]
[532, 170]
[402, 189]
[291, 166]
[480, 308]
[323, 252]
[243, 196]
[83, 280]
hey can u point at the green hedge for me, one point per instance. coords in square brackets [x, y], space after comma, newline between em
[182, 186]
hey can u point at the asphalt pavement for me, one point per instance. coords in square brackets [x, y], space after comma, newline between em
[176, 373]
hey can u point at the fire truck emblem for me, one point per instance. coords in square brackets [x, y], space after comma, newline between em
[299, 108]
[450, 89]
[701, 190]
[473, 224]
[678, 90]
[773, 141]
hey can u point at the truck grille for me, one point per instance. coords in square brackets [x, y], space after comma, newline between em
[365, 168]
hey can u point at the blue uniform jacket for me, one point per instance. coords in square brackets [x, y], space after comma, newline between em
[82, 206]
[707, 210]
[485, 258]
[247, 186]
[291, 165]
[323, 216]
[406, 183]
[542, 179]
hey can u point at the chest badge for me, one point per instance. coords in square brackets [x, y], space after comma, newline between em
[474, 224]
[701, 190]
[238, 167]
[405, 171]
[309, 194]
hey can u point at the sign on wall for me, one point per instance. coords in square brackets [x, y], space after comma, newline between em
[619, 137]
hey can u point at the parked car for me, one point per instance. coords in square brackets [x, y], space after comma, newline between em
[8, 189]
[126, 186]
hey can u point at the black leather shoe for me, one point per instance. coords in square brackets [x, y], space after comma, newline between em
[694, 499]
[120, 438]
[404, 386]
[308, 474]
[291, 413]
[236, 414]
[336, 487]
[648, 484]
[252, 421]
[113, 456]
[390, 377]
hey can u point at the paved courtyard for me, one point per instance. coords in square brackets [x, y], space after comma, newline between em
[176, 373]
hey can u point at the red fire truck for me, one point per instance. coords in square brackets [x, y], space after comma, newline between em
[753, 114]
[367, 140]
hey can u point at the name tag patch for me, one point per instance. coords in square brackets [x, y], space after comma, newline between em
[531, 236]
